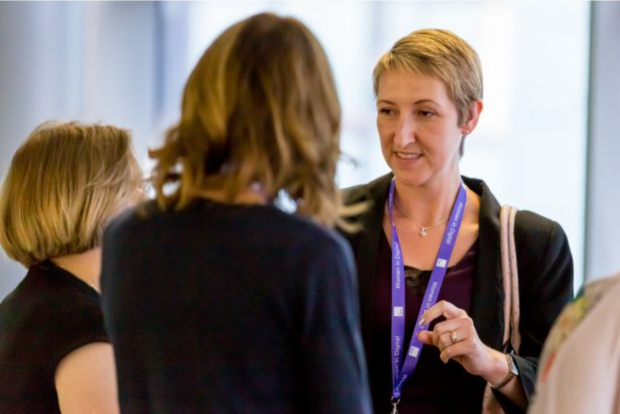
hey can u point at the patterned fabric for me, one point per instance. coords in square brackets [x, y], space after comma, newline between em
[570, 318]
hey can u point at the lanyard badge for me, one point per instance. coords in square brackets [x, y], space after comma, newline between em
[405, 360]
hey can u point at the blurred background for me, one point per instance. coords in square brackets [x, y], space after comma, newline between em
[545, 142]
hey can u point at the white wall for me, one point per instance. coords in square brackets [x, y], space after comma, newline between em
[603, 226]
[91, 61]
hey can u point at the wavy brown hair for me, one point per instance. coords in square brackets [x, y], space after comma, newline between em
[260, 107]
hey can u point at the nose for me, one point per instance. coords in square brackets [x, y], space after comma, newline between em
[405, 132]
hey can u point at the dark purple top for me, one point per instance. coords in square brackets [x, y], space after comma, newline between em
[434, 384]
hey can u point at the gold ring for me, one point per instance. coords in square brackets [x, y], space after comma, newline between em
[453, 337]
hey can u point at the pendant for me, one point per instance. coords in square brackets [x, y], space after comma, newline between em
[423, 232]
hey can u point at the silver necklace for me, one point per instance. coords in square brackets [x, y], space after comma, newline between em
[423, 229]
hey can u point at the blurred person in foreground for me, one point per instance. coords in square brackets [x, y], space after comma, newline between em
[63, 186]
[216, 300]
[580, 363]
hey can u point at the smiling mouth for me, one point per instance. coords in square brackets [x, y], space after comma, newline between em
[408, 155]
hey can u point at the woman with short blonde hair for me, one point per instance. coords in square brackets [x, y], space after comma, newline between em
[428, 257]
[63, 186]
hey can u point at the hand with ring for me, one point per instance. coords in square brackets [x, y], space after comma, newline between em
[457, 338]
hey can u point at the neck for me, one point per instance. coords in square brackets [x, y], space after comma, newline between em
[428, 204]
[85, 266]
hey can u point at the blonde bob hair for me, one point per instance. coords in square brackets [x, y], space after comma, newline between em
[64, 184]
[440, 54]
[260, 109]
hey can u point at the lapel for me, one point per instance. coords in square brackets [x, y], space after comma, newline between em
[487, 296]
[366, 250]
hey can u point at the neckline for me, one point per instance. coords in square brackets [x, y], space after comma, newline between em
[472, 248]
[48, 265]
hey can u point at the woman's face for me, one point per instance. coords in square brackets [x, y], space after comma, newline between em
[418, 128]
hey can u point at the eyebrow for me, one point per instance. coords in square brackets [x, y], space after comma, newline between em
[418, 102]
[421, 101]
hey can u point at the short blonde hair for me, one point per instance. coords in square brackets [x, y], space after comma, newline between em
[259, 107]
[441, 54]
[64, 184]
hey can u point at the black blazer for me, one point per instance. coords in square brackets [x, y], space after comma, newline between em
[545, 276]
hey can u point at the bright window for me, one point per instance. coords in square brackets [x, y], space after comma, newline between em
[531, 140]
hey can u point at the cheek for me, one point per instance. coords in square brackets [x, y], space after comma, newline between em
[384, 130]
[440, 136]
[384, 140]
[386, 144]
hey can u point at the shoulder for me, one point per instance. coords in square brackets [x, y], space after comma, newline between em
[311, 241]
[75, 314]
[134, 217]
[373, 196]
[536, 231]
[371, 191]
[531, 228]
[48, 293]
[355, 194]
[544, 258]
[534, 223]
[134, 228]
[51, 316]
[605, 293]
[541, 243]
[148, 222]
[564, 357]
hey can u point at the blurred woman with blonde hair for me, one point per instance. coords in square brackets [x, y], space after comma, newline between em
[218, 301]
[63, 186]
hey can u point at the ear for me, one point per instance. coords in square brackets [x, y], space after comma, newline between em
[472, 120]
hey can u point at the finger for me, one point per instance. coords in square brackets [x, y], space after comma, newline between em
[426, 337]
[446, 327]
[441, 308]
[451, 338]
[462, 327]
[458, 352]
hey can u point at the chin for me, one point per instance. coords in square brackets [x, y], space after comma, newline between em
[411, 180]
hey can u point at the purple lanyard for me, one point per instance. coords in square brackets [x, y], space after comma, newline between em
[411, 356]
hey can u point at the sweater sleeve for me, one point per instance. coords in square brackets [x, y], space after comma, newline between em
[336, 377]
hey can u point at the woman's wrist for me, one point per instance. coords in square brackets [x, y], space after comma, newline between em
[498, 368]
